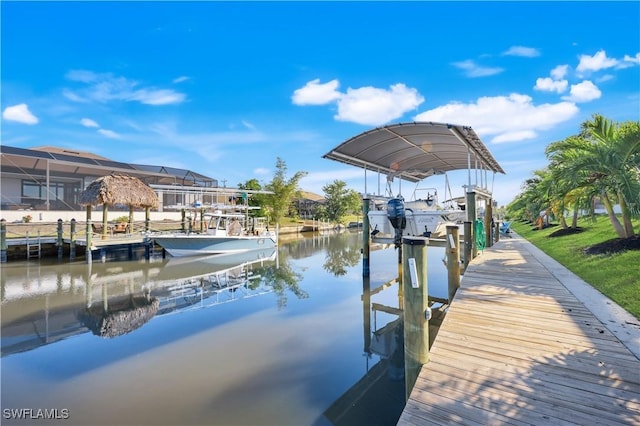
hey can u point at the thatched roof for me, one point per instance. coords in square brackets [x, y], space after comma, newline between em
[122, 317]
[118, 189]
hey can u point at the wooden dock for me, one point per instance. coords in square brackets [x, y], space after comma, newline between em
[518, 347]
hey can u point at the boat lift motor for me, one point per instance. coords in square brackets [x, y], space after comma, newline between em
[397, 217]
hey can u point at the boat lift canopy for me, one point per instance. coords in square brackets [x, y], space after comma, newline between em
[414, 151]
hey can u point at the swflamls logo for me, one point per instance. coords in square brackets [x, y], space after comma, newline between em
[35, 413]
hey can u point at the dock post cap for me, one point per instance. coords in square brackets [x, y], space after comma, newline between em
[415, 241]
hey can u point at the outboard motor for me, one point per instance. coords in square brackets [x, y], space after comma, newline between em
[397, 217]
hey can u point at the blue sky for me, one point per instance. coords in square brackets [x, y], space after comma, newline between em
[225, 88]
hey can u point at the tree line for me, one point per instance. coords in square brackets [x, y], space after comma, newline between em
[599, 164]
[339, 203]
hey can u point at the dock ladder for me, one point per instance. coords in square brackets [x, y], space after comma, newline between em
[34, 250]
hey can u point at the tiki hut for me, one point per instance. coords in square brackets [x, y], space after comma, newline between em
[118, 190]
[121, 316]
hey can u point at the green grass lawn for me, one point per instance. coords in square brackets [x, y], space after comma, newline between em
[615, 275]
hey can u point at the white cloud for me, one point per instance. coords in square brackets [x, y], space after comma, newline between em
[109, 134]
[314, 93]
[74, 97]
[87, 122]
[506, 118]
[83, 76]
[583, 92]
[261, 171]
[105, 87]
[19, 113]
[515, 136]
[632, 59]
[604, 78]
[248, 125]
[559, 72]
[364, 105]
[549, 85]
[473, 70]
[181, 79]
[157, 97]
[373, 106]
[596, 62]
[528, 52]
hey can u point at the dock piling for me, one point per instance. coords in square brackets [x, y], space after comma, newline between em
[416, 308]
[3, 240]
[60, 241]
[72, 241]
[468, 242]
[366, 240]
[453, 261]
[488, 221]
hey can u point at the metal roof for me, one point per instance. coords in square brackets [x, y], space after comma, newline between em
[34, 161]
[416, 150]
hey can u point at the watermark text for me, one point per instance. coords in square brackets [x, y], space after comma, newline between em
[35, 413]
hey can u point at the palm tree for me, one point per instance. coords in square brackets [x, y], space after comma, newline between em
[602, 161]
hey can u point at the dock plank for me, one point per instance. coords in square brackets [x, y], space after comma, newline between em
[518, 347]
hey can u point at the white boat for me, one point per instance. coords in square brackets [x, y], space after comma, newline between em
[424, 217]
[225, 233]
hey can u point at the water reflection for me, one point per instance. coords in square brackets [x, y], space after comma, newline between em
[52, 302]
[296, 334]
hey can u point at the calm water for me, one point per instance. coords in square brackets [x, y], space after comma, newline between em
[282, 338]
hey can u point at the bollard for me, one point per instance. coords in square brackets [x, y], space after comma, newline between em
[3, 241]
[416, 308]
[468, 243]
[366, 239]
[72, 242]
[59, 242]
[453, 260]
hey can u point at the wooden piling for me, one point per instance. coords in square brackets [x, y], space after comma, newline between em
[366, 238]
[147, 219]
[60, 241]
[488, 219]
[468, 243]
[72, 240]
[89, 233]
[130, 225]
[416, 308]
[184, 220]
[3, 241]
[366, 314]
[105, 221]
[472, 215]
[453, 261]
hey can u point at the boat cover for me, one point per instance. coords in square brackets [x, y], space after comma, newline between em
[414, 151]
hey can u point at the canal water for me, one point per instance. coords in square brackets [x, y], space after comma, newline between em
[290, 336]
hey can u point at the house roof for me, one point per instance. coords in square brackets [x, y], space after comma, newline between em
[416, 150]
[79, 163]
